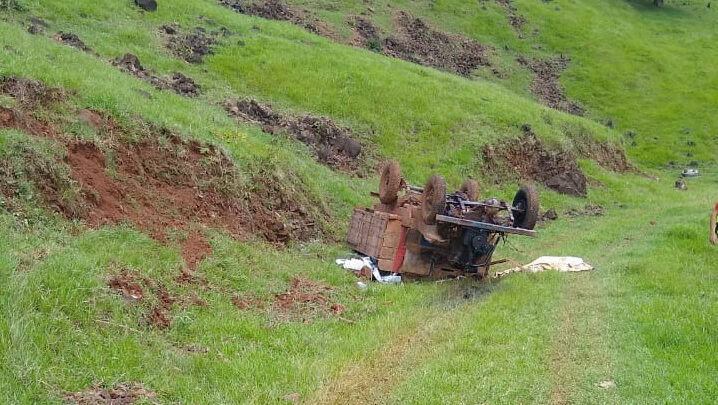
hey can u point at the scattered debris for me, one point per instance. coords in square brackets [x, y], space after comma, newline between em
[330, 143]
[681, 184]
[549, 215]
[147, 5]
[590, 210]
[562, 264]
[305, 300]
[528, 157]
[72, 40]
[124, 393]
[690, 173]
[545, 84]
[179, 83]
[417, 42]
[366, 268]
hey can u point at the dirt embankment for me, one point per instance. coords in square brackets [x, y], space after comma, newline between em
[166, 186]
[330, 143]
[281, 11]
[545, 84]
[528, 158]
[416, 41]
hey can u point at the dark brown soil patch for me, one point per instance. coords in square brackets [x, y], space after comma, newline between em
[545, 84]
[119, 394]
[306, 300]
[192, 46]
[281, 11]
[30, 93]
[605, 154]
[179, 83]
[365, 33]
[528, 158]
[37, 25]
[415, 41]
[72, 40]
[515, 20]
[330, 143]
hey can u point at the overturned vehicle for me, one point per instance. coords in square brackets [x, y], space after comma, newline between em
[425, 232]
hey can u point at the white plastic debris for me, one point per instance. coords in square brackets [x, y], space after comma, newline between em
[561, 264]
[358, 264]
[361, 285]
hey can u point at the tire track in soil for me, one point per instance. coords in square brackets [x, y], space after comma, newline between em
[582, 320]
[373, 377]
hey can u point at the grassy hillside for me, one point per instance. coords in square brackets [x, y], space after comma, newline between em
[91, 301]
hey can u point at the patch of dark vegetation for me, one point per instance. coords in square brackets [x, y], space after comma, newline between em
[589, 210]
[163, 184]
[281, 11]
[330, 143]
[72, 40]
[306, 300]
[178, 83]
[545, 84]
[191, 46]
[36, 25]
[11, 5]
[528, 158]
[417, 42]
[124, 393]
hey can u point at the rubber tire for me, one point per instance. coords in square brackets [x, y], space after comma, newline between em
[471, 188]
[390, 182]
[433, 199]
[526, 198]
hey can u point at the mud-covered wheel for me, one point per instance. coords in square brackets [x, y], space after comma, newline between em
[390, 182]
[470, 187]
[433, 200]
[526, 203]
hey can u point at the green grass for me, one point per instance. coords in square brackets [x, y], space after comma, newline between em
[646, 318]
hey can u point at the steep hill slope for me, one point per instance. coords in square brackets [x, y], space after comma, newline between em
[175, 186]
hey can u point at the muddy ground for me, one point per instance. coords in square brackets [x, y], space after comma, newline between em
[124, 393]
[165, 186]
[545, 84]
[329, 142]
[179, 83]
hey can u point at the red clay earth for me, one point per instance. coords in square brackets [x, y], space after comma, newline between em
[162, 183]
[545, 84]
[330, 143]
[124, 393]
[306, 299]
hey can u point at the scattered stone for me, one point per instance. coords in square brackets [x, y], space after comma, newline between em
[681, 184]
[607, 384]
[147, 5]
[179, 83]
[550, 215]
[191, 46]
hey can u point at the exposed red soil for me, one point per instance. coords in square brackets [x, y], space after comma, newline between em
[330, 143]
[545, 84]
[246, 302]
[528, 158]
[415, 41]
[124, 393]
[305, 300]
[164, 184]
[127, 283]
[179, 83]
